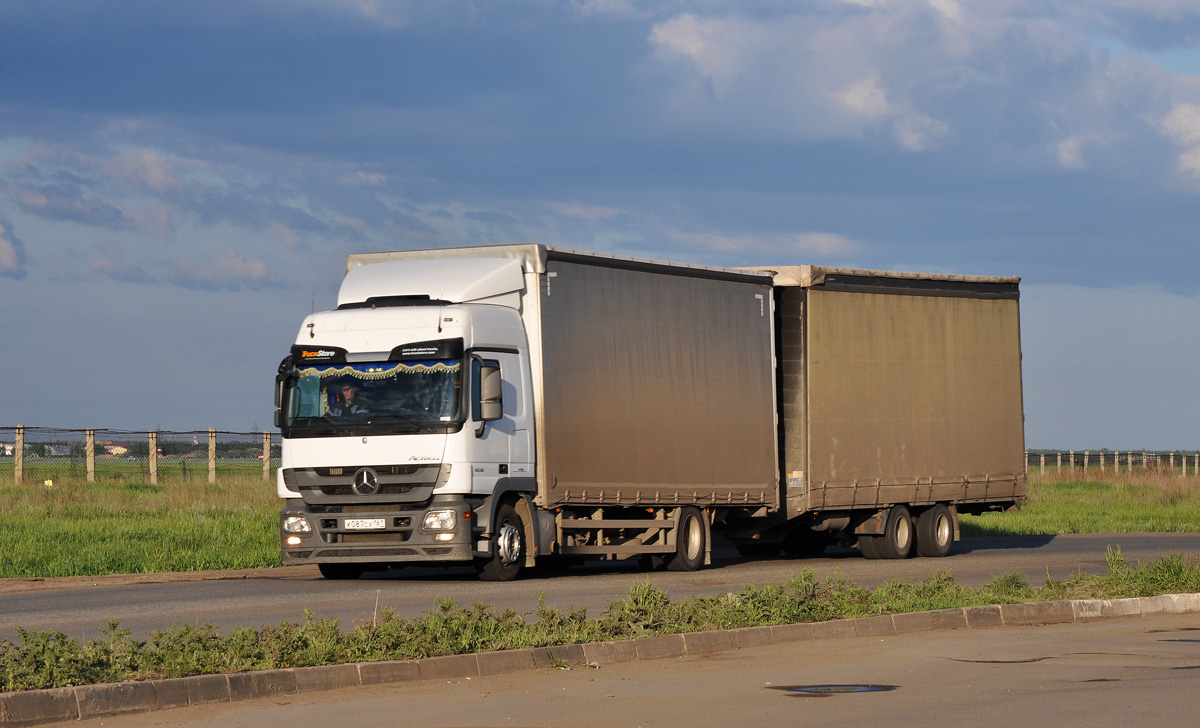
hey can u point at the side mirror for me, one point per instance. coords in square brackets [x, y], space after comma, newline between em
[487, 405]
[491, 404]
[278, 419]
[285, 368]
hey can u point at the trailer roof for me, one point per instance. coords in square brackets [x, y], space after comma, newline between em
[807, 276]
[533, 257]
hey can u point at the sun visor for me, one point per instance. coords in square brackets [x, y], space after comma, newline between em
[453, 280]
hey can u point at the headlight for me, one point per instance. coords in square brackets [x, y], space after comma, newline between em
[296, 524]
[440, 521]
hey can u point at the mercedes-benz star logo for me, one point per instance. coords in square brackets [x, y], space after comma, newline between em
[366, 482]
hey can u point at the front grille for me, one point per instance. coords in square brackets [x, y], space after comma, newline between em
[381, 469]
[349, 490]
[385, 537]
[359, 553]
[334, 486]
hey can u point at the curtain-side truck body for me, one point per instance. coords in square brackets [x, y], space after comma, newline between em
[508, 405]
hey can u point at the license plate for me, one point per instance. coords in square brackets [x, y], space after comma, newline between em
[365, 524]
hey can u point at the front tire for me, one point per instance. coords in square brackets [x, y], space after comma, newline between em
[508, 547]
[690, 543]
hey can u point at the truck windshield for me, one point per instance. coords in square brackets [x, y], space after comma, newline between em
[409, 396]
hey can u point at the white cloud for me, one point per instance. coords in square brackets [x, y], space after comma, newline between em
[714, 45]
[591, 213]
[238, 267]
[147, 168]
[949, 9]
[1070, 153]
[8, 251]
[285, 236]
[866, 97]
[1018, 81]
[1183, 126]
[372, 179]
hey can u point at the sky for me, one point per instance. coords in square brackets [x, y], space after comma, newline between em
[180, 183]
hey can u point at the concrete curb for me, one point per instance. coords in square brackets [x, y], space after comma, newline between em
[35, 707]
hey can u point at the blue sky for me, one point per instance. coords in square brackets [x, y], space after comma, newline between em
[180, 183]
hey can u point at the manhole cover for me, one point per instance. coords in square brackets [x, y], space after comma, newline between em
[821, 691]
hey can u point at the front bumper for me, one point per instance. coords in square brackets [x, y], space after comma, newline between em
[401, 540]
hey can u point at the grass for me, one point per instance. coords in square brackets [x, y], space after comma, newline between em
[52, 659]
[75, 528]
[121, 524]
[1142, 502]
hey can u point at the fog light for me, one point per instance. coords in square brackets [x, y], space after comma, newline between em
[293, 540]
[296, 524]
[440, 521]
[442, 536]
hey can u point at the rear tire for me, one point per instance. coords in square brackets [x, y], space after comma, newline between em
[340, 572]
[868, 546]
[897, 539]
[689, 542]
[508, 547]
[935, 531]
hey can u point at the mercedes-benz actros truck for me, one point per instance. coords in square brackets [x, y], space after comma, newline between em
[505, 406]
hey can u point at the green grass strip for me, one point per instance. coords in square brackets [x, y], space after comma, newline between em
[52, 659]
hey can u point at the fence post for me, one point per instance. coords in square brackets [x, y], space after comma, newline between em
[212, 455]
[89, 450]
[153, 452]
[1072, 455]
[1042, 467]
[266, 456]
[1102, 461]
[1059, 462]
[1087, 456]
[19, 456]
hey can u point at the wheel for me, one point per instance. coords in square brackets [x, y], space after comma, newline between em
[508, 548]
[689, 542]
[803, 542]
[935, 531]
[897, 539]
[868, 546]
[340, 571]
[759, 550]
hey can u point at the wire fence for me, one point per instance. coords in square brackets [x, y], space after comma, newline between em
[46, 454]
[1183, 464]
[40, 454]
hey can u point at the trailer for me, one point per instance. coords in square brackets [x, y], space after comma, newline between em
[506, 406]
[900, 407]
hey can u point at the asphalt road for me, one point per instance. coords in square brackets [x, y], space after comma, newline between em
[82, 607]
[1140, 672]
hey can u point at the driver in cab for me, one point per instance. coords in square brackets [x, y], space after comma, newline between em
[346, 401]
